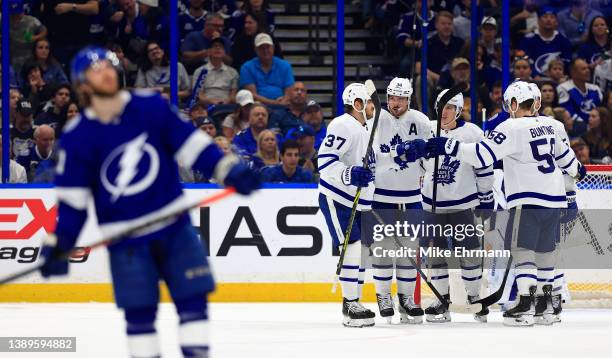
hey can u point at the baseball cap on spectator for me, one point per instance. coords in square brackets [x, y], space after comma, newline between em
[15, 7]
[200, 121]
[489, 20]
[244, 97]
[457, 61]
[263, 39]
[24, 107]
[151, 3]
[312, 105]
[217, 40]
[546, 10]
[303, 130]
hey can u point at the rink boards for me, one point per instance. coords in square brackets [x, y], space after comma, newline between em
[273, 247]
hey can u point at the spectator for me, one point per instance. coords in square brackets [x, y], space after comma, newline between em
[17, 173]
[72, 111]
[193, 19]
[546, 43]
[127, 69]
[562, 115]
[581, 150]
[462, 22]
[574, 20]
[155, 73]
[494, 103]
[488, 34]
[521, 69]
[219, 82]
[549, 95]
[207, 125]
[598, 41]
[198, 110]
[196, 44]
[313, 116]
[243, 48]
[68, 24]
[267, 151]
[14, 97]
[52, 71]
[599, 135]
[406, 38]
[288, 171]
[24, 30]
[224, 144]
[22, 133]
[459, 72]
[467, 110]
[578, 96]
[284, 119]
[260, 10]
[56, 111]
[246, 141]
[602, 75]
[239, 120]
[443, 46]
[35, 88]
[555, 71]
[44, 138]
[524, 21]
[305, 137]
[99, 23]
[268, 77]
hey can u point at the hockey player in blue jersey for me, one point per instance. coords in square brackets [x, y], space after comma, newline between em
[533, 153]
[122, 153]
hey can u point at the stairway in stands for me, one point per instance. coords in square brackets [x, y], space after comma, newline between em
[360, 47]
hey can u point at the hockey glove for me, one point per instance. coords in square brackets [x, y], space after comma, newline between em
[243, 178]
[50, 253]
[412, 150]
[484, 210]
[440, 146]
[571, 212]
[357, 176]
[581, 172]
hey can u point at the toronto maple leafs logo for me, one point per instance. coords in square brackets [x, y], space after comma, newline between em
[447, 171]
[386, 148]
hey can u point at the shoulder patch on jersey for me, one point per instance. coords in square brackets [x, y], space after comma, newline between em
[71, 125]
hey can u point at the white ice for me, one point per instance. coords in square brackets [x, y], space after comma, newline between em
[312, 330]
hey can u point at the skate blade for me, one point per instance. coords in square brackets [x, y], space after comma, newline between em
[405, 319]
[556, 319]
[369, 322]
[481, 319]
[353, 323]
[437, 318]
[545, 320]
[523, 321]
[465, 308]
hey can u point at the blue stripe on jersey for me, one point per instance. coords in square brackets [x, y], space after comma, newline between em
[570, 193]
[482, 162]
[339, 192]
[471, 278]
[379, 278]
[487, 193]
[398, 193]
[562, 155]
[484, 174]
[327, 164]
[525, 264]
[490, 151]
[447, 203]
[475, 267]
[570, 163]
[413, 279]
[546, 268]
[328, 155]
[531, 194]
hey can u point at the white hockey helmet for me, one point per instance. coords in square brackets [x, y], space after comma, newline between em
[400, 87]
[353, 92]
[537, 97]
[456, 101]
[520, 91]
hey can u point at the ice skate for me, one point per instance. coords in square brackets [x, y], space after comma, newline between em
[356, 315]
[544, 307]
[522, 313]
[482, 315]
[437, 313]
[410, 312]
[557, 302]
[385, 306]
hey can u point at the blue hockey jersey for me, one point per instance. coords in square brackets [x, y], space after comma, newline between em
[542, 51]
[579, 103]
[128, 167]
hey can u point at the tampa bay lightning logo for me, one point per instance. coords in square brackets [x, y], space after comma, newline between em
[448, 170]
[541, 63]
[587, 105]
[130, 168]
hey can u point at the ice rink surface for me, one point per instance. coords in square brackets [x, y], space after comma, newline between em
[312, 330]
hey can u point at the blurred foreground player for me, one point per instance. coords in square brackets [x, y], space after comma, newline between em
[122, 152]
[340, 163]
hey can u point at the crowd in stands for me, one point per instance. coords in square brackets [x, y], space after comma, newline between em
[234, 84]
[232, 80]
[562, 46]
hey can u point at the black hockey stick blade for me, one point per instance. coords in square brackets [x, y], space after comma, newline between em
[497, 295]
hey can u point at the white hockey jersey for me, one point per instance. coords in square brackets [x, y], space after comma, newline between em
[398, 182]
[344, 146]
[533, 154]
[461, 185]
[570, 183]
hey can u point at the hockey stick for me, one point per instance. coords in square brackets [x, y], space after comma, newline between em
[470, 308]
[374, 96]
[65, 256]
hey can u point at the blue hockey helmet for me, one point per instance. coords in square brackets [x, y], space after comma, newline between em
[88, 57]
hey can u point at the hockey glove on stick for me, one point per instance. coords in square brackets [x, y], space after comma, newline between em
[440, 146]
[53, 265]
[412, 150]
[357, 176]
[243, 178]
[582, 172]
[484, 210]
[571, 212]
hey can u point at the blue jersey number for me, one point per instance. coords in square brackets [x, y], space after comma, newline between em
[332, 138]
[548, 157]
